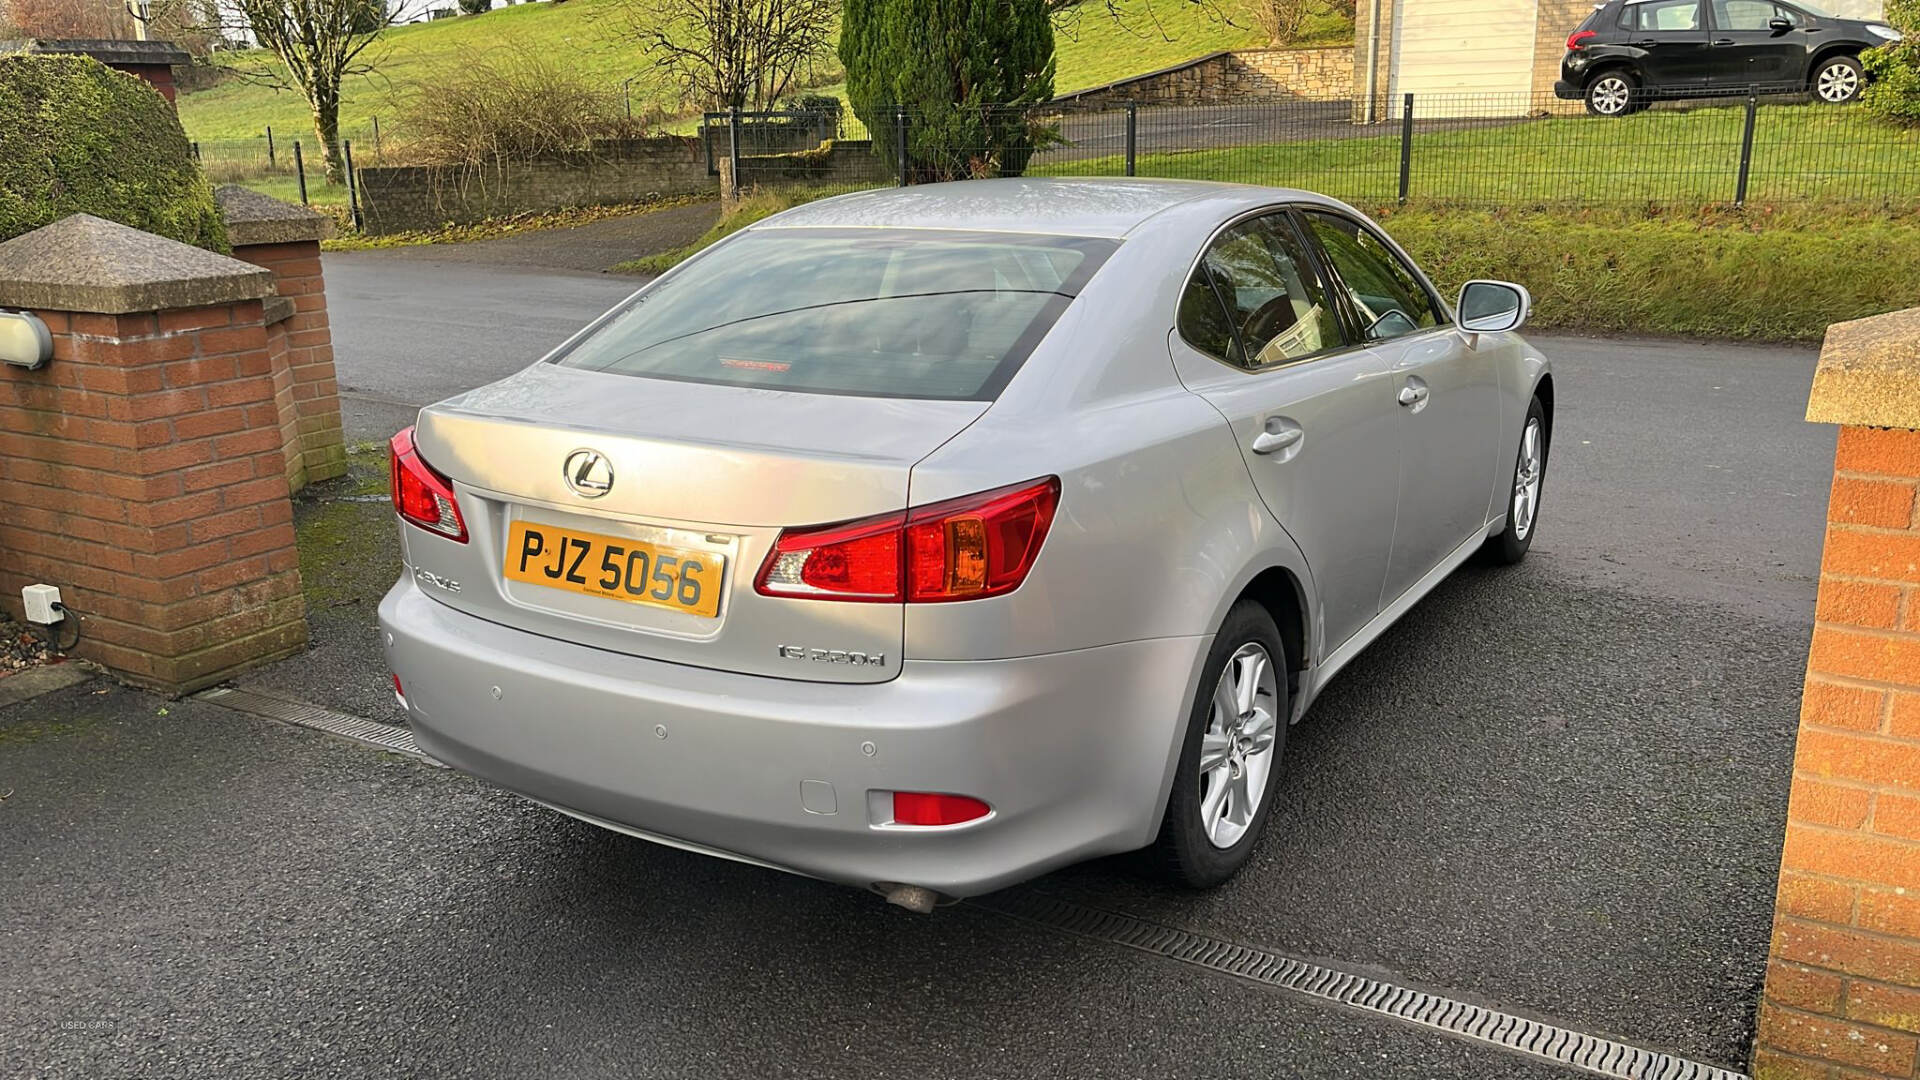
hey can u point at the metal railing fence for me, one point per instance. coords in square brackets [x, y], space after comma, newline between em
[1770, 145]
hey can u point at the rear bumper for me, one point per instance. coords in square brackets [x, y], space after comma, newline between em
[1567, 91]
[1073, 751]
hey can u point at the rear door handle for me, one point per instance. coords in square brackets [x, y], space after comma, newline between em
[1724, 41]
[1412, 394]
[1285, 434]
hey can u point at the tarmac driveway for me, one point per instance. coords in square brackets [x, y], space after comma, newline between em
[1557, 788]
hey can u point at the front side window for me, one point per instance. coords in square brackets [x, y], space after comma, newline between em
[1667, 15]
[914, 313]
[1387, 298]
[1743, 14]
[1255, 301]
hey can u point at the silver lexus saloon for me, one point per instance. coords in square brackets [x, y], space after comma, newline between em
[927, 539]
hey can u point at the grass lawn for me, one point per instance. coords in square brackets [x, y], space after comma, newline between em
[1755, 275]
[1091, 50]
[1671, 157]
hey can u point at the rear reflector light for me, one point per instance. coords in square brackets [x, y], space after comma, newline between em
[961, 549]
[420, 495]
[1577, 39]
[921, 808]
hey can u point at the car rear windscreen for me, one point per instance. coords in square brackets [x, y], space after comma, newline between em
[915, 313]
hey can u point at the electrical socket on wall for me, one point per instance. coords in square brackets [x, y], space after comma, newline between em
[43, 604]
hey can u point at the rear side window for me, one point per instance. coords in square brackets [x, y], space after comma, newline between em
[884, 313]
[1663, 15]
[1255, 300]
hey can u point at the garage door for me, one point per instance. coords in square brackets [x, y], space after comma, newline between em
[1449, 48]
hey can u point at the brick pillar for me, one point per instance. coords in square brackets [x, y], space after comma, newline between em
[141, 469]
[1842, 994]
[286, 240]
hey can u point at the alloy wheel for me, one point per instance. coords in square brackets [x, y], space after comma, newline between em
[1837, 83]
[1526, 481]
[1610, 95]
[1236, 750]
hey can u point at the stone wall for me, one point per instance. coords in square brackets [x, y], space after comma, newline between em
[401, 198]
[842, 161]
[1231, 78]
[1842, 995]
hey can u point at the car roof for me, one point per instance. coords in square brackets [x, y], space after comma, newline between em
[1064, 206]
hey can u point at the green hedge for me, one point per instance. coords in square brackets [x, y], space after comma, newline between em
[80, 137]
[1893, 89]
[1737, 277]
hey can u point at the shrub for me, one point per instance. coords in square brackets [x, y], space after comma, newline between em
[965, 70]
[82, 138]
[506, 105]
[475, 7]
[1893, 92]
[825, 104]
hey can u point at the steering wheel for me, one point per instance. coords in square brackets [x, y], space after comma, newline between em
[1266, 321]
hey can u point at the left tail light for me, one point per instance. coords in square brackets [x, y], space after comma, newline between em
[961, 549]
[420, 495]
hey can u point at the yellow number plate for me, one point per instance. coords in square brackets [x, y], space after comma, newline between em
[632, 570]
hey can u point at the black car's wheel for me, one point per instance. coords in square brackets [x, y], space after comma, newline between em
[1612, 93]
[1230, 758]
[1837, 80]
[1523, 506]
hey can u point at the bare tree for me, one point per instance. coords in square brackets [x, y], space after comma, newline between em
[733, 53]
[1141, 18]
[67, 18]
[1283, 20]
[318, 43]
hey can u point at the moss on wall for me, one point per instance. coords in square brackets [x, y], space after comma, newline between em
[83, 138]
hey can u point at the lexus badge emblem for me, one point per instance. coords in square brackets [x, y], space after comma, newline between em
[588, 473]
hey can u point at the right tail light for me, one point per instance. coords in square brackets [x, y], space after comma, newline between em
[961, 549]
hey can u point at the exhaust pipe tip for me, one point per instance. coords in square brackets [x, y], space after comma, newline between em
[914, 898]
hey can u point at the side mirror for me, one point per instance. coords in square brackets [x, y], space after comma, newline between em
[1493, 307]
[1779, 25]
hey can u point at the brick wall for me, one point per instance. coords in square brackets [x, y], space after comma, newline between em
[401, 198]
[1382, 59]
[1231, 78]
[1842, 995]
[141, 471]
[1554, 20]
[301, 341]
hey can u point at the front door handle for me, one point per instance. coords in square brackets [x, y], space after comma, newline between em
[1268, 442]
[1413, 394]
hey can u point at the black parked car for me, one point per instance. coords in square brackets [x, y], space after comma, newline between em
[1630, 52]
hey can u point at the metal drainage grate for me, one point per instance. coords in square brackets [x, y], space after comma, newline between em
[385, 736]
[1456, 1018]
[1474, 1023]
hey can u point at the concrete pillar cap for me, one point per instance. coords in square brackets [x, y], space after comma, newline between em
[1869, 373]
[85, 263]
[253, 218]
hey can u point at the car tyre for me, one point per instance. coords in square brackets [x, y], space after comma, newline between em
[1229, 766]
[1838, 80]
[1613, 93]
[1523, 500]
